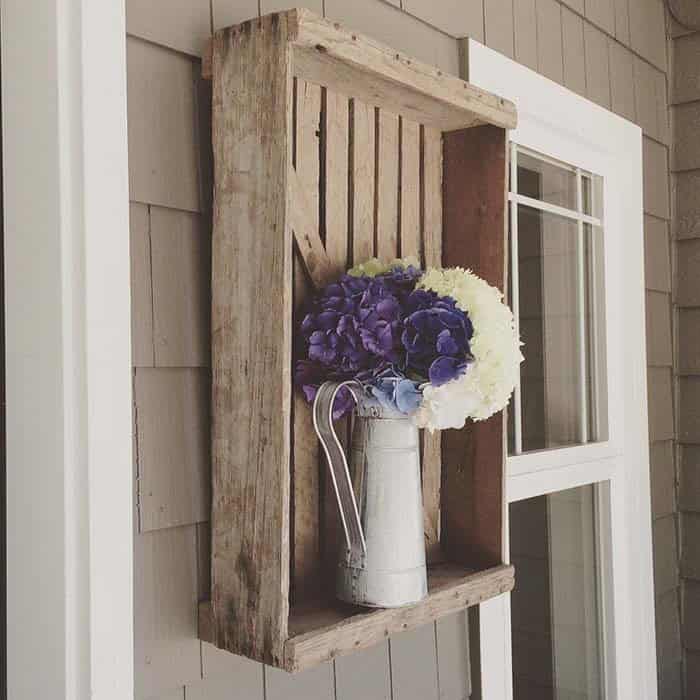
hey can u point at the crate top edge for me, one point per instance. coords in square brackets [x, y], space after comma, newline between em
[310, 33]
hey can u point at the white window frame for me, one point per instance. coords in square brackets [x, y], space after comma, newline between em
[68, 350]
[554, 121]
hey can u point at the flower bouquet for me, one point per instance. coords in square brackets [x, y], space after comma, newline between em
[437, 346]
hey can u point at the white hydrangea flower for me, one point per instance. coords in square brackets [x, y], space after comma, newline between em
[486, 386]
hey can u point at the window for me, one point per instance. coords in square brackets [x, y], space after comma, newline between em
[580, 622]
[556, 252]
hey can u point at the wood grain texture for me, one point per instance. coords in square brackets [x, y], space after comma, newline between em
[181, 260]
[305, 192]
[251, 330]
[334, 634]
[325, 53]
[397, 29]
[336, 131]
[387, 184]
[304, 222]
[474, 237]
[172, 437]
[432, 253]
[141, 286]
[363, 172]
[409, 192]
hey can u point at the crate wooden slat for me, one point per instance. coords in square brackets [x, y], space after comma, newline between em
[330, 148]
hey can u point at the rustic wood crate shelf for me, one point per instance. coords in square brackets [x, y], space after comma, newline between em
[330, 148]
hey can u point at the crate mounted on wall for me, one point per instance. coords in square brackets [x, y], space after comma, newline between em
[328, 149]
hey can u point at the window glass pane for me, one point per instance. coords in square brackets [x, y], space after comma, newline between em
[546, 181]
[555, 606]
[553, 378]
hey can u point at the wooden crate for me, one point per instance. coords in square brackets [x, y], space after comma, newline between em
[330, 148]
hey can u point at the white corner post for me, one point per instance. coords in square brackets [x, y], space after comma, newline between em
[68, 350]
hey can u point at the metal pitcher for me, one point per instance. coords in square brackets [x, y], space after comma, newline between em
[381, 504]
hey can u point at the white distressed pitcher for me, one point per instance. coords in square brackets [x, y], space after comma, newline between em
[381, 505]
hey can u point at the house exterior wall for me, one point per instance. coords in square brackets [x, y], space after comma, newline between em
[612, 51]
[685, 167]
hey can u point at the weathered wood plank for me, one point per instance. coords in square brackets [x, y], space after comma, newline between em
[409, 192]
[357, 66]
[319, 635]
[327, 53]
[305, 478]
[387, 185]
[432, 196]
[252, 332]
[335, 188]
[336, 180]
[432, 245]
[305, 179]
[304, 223]
[363, 171]
[474, 237]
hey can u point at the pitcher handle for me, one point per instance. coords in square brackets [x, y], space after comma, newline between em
[338, 463]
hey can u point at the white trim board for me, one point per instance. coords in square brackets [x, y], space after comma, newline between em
[68, 357]
[554, 121]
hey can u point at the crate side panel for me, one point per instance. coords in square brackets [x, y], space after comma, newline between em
[474, 195]
[251, 338]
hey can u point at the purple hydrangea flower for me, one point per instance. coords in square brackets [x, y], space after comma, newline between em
[384, 333]
[436, 337]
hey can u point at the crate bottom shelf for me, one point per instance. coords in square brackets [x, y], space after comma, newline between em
[327, 629]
